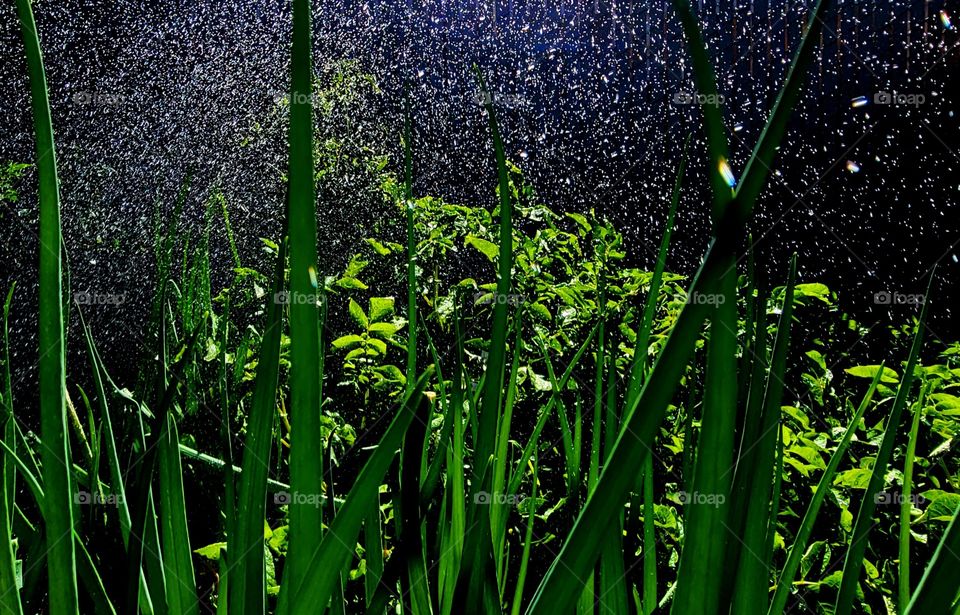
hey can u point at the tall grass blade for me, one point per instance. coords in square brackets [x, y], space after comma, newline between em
[750, 587]
[9, 593]
[248, 592]
[473, 589]
[61, 562]
[940, 585]
[337, 546]
[853, 564]
[306, 467]
[411, 241]
[177, 556]
[705, 517]
[906, 506]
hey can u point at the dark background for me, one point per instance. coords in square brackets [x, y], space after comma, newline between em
[143, 91]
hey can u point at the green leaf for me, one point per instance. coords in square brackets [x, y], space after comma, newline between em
[347, 341]
[356, 313]
[869, 371]
[488, 248]
[380, 308]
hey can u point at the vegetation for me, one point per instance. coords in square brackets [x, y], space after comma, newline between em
[540, 428]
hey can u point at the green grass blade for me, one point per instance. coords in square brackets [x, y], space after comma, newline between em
[337, 546]
[938, 589]
[564, 580]
[706, 84]
[410, 550]
[853, 564]
[527, 541]
[705, 517]
[249, 592]
[177, 556]
[61, 561]
[9, 594]
[411, 241]
[750, 585]
[906, 507]
[306, 468]
[528, 449]
[478, 548]
[649, 541]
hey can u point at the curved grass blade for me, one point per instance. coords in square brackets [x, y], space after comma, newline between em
[414, 579]
[564, 580]
[787, 575]
[411, 241]
[61, 561]
[938, 589]
[527, 541]
[248, 592]
[853, 564]
[473, 589]
[337, 546]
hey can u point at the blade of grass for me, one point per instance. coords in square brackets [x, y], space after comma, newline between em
[478, 548]
[61, 561]
[649, 541]
[306, 467]
[175, 538]
[410, 550]
[9, 592]
[527, 541]
[705, 517]
[906, 506]
[337, 546]
[940, 584]
[113, 458]
[249, 592]
[751, 582]
[853, 564]
[411, 241]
